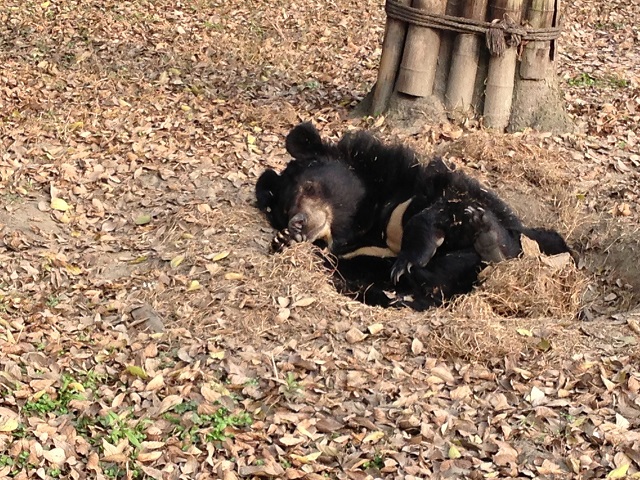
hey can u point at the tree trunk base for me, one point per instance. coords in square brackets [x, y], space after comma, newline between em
[405, 111]
[539, 106]
[365, 107]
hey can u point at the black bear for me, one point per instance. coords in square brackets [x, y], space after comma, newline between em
[384, 215]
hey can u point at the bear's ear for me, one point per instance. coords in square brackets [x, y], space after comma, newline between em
[267, 188]
[304, 142]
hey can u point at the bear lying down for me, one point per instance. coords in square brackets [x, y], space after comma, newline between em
[399, 232]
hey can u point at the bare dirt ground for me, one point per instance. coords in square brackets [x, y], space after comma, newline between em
[146, 332]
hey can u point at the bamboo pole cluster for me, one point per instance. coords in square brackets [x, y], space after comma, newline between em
[411, 55]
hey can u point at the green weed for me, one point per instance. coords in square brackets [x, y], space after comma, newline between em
[16, 464]
[54, 472]
[116, 428]
[587, 80]
[52, 301]
[59, 403]
[118, 471]
[312, 85]
[214, 26]
[208, 427]
[185, 407]
[617, 82]
[609, 26]
[582, 80]
[219, 421]
[292, 386]
[252, 382]
[92, 379]
[377, 462]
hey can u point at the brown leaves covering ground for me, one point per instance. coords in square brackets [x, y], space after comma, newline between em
[144, 330]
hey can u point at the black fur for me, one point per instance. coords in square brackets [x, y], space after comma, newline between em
[366, 279]
[451, 225]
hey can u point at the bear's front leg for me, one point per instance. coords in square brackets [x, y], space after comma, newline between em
[420, 240]
[282, 240]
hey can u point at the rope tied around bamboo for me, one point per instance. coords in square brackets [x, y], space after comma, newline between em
[498, 34]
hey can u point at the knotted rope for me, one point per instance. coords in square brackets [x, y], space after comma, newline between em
[499, 34]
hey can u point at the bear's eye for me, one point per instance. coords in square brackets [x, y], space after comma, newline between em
[309, 188]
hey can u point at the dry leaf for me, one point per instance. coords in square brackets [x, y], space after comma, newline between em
[620, 472]
[312, 457]
[148, 456]
[219, 256]
[176, 261]
[212, 394]
[217, 354]
[556, 262]
[55, 456]
[289, 440]
[375, 328]
[444, 373]
[460, 393]
[8, 424]
[169, 402]
[137, 371]
[142, 219]
[303, 302]
[536, 396]
[73, 270]
[155, 383]
[373, 437]
[454, 452]
[417, 346]
[59, 204]
[354, 335]
[530, 248]
[283, 315]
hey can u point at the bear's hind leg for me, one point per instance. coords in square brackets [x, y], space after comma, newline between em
[493, 241]
[550, 241]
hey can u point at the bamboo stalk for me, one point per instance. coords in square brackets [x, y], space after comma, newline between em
[420, 58]
[500, 77]
[464, 62]
[447, 38]
[536, 60]
[392, 47]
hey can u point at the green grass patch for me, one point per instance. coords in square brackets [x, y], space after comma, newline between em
[587, 80]
[582, 80]
[18, 464]
[377, 463]
[198, 428]
[57, 403]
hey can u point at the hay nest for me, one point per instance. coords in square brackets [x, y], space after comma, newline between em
[527, 302]
[534, 285]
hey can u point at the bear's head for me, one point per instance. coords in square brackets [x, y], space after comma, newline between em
[316, 195]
